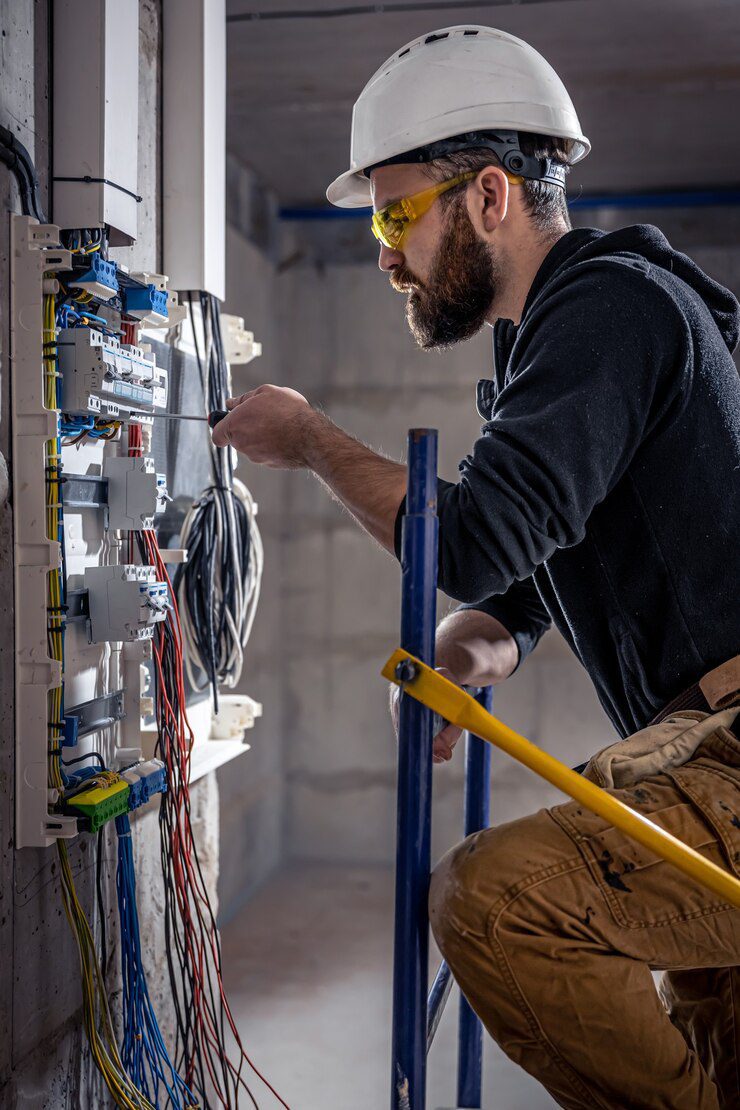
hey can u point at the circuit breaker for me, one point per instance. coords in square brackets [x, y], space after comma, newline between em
[103, 376]
[125, 602]
[136, 493]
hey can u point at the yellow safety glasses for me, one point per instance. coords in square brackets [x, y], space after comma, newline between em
[391, 223]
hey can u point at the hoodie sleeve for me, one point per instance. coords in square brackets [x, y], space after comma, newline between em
[595, 368]
[522, 613]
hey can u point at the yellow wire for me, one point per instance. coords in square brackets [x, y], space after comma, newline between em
[97, 1017]
[95, 1003]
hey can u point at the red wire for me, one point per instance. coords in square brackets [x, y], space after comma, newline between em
[190, 889]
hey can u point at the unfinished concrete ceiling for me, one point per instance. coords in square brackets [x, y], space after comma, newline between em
[656, 83]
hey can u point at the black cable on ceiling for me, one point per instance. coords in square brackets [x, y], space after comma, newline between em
[376, 9]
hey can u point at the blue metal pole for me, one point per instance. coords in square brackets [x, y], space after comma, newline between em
[477, 816]
[413, 844]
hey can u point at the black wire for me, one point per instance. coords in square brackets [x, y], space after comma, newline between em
[19, 161]
[80, 758]
[197, 579]
[101, 902]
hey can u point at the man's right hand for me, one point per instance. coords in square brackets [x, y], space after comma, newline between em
[446, 738]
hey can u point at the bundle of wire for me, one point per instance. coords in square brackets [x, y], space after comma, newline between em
[143, 1051]
[96, 1012]
[218, 588]
[203, 1014]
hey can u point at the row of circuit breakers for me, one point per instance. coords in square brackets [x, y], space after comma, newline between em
[105, 378]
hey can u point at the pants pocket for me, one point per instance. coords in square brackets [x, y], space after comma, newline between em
[715, 792]
[640, 889]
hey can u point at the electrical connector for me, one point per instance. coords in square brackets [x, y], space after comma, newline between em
[125, 602]
[99, 279]
[101, 804]
[236, 714]
[145, 779]
[145, 303]
[239, 344]
[136, 493]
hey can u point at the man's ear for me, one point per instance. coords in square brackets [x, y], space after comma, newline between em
[488, 200]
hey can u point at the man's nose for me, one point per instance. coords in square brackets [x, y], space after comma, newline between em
[389, 258]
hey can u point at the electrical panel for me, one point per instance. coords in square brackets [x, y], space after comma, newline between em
[89, 381]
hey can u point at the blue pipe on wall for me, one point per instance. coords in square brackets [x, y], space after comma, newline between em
[695, 198]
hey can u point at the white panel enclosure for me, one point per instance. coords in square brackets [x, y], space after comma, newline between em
[96, 115]
[194, 144]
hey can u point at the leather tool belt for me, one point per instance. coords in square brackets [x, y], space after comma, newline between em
[718, 689]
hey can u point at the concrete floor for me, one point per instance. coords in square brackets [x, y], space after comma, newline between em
[308, 970]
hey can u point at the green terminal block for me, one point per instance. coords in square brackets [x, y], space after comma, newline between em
[102, 803]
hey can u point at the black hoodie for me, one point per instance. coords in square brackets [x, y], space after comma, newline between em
[603, 494]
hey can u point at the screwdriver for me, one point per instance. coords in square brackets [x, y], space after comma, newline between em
[212, 419]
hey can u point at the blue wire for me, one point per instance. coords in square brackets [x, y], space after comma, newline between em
[143, 1051]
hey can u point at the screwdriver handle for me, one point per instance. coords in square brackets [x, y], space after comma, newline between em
[216, 417]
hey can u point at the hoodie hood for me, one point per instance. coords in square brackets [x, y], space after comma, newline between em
[648, 242]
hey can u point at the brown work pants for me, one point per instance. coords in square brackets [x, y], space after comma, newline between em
[553, 923]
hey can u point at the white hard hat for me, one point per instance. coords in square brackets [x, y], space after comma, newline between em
[449, 84]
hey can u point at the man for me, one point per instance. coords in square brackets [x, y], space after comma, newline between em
[601, 496]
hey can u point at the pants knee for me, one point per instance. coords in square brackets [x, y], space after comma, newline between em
[465, 884]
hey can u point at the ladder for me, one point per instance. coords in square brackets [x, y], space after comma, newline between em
[415, 1017]
[416, 1014]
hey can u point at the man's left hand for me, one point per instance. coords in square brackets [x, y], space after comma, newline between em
[270, 425]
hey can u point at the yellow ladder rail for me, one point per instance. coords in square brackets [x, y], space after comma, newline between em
[458, 707]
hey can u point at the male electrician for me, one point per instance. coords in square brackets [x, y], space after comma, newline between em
[602, 496]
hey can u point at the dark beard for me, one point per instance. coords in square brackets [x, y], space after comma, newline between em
[453, 304]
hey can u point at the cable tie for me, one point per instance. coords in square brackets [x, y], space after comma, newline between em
[88, 180]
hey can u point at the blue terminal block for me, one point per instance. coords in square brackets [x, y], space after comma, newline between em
[69, 737]
[145, 780]
[100, 279]
[141, 301]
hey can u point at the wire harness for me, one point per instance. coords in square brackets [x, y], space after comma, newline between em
[218, 588]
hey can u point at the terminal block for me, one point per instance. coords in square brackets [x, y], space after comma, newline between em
[145, 779]
[100, 804]
[125, 602]
[99, 278]
[136, 493]
[146, 302]
[108, 378]
[166, 310]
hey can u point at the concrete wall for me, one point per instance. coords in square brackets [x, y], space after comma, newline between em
[251, 787]
[346, 345]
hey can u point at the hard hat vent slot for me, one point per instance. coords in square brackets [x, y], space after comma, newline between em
[470, 33]
[436, 38]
